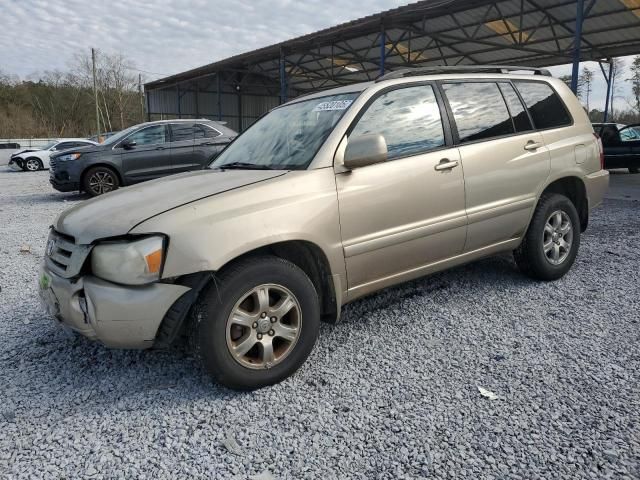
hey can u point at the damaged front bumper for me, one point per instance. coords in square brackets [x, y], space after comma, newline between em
[118, 316]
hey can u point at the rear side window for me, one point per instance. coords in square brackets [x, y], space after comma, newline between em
[544, 104]
[478, 110]
[408, 118]
[518, 113]
[181, 132]
[204, 131]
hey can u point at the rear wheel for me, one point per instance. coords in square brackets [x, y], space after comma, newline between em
[551, 243]
[99, 180]
[634, 169]
[257, 324]
[32, 164]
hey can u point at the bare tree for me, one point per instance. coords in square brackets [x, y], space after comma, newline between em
[585, 81]
[616, 71]
[635, 82]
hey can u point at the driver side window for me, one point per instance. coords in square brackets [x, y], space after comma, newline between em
[152, 135]
[408, 118]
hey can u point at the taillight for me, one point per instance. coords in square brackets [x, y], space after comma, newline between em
[600, 149]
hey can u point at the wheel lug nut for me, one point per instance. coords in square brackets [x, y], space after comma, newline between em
[255, 325]
[274, 319]
[259, 336]
[272, 333]
[263, 314]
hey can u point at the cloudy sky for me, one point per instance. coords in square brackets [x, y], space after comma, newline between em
[163, 37]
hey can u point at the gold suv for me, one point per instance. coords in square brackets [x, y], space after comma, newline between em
[330, 197]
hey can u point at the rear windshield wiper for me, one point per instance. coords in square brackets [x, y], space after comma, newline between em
[244, 165]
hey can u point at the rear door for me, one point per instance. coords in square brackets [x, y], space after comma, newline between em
[182, 140]
[504, 159]
[149, 158]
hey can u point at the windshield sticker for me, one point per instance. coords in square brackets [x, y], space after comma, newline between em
[333, 105]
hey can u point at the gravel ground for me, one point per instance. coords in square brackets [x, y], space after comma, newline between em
[391, 392]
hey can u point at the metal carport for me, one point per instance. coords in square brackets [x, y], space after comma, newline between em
[431, 32]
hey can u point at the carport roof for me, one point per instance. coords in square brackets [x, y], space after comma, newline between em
[437, 32]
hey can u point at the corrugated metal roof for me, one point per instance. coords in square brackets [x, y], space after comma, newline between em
[525, 32]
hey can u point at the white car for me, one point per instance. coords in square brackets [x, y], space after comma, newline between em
[37, 159]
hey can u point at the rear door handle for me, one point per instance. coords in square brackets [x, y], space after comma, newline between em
[446, 164]
[531, 145]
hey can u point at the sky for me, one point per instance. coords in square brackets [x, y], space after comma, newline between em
[163, 37]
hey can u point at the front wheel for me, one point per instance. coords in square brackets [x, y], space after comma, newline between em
[551, 243]
[100, 180]
[257, 324]
[33, 164]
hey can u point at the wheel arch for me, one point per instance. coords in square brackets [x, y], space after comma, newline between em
[574, 189]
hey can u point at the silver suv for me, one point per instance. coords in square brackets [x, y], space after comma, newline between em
[328, 198]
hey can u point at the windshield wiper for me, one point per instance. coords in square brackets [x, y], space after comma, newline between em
[243, 166]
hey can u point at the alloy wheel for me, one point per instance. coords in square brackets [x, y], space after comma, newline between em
[32, 165]
[557, 237]
[101, 182]
[264, 326]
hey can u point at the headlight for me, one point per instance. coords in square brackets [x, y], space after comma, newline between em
[131, 263]
[69, 156]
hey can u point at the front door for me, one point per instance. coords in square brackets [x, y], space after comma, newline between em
[399, 216]
[150, 157]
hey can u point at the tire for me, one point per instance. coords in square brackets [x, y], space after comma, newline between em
[99, 180]
[214, 333]
[634, 169]
[536, 254]
[32, 164]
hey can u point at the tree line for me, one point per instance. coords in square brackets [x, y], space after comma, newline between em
[630, 112]
[62, 104]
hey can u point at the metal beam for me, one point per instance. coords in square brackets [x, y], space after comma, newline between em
[383, 48]
[577, 43]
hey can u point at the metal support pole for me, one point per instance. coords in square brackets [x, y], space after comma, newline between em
[577, 43]
[178, 100]
[283, 78]
[95, 91]
[383, 48]
[218, 99]
[148, 106]
[606, 102]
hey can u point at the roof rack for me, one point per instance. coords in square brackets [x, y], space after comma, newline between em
[443, 69]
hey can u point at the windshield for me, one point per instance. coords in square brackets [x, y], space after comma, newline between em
[50, 144]
[288, 137]
[120, 135]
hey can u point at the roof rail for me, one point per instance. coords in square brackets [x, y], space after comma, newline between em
[444, 69]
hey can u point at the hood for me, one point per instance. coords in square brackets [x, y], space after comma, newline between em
[26, 150]
[87, 149]
[116, 213]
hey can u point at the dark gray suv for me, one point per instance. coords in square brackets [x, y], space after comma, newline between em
[142, 152]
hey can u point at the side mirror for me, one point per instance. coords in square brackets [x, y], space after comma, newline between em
[128, 144]
[365, 150]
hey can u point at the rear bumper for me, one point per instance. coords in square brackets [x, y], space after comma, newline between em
[116, 315]
[596, 184]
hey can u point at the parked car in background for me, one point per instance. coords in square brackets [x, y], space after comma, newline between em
[142, 152]
[621, 145]
[102, 137]
[33, 159]
[326, 199]
[6, 150]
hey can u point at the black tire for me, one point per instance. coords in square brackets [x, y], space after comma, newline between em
[530, 256]
[214, 307]
[32, 161]
[634, 169]
[107, 181]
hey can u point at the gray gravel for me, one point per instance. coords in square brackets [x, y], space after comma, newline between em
[391, 392]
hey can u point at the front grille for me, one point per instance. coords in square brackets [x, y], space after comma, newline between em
[63, 256]
[53, 163]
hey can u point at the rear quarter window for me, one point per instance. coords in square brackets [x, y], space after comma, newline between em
[545, 106]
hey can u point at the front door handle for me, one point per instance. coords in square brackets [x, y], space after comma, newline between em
[446, 164]
[531, 145]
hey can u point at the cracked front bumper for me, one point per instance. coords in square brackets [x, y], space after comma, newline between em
[118, 316]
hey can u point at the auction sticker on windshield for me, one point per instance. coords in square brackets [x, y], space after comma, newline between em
[333, 105]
